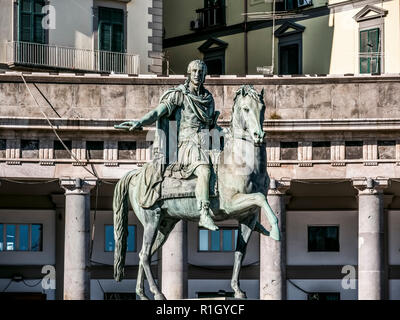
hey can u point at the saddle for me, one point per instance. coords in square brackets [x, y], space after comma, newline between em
[185, 188]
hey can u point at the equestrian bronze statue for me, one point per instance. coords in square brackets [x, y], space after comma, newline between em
[202, 184]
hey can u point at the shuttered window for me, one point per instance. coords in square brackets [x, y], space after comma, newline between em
[370, 51]
[111, 29]
[30, 21]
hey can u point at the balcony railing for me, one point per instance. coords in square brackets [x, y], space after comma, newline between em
[43, 55]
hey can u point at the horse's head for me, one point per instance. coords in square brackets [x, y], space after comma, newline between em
[248, 114]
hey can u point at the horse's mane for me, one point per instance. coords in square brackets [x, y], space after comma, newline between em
[244, 90]
[248, 89]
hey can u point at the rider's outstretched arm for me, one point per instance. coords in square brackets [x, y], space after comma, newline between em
[154, 115]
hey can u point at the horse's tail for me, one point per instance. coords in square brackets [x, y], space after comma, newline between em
[121, 209]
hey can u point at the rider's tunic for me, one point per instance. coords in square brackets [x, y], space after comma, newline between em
[193, 114]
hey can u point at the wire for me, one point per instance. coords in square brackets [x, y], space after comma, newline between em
[31, 286]
[9, 283]
[25, 182]
[54, 130]
[98, 281]
[297, 287]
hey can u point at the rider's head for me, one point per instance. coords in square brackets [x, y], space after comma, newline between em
[197, 71]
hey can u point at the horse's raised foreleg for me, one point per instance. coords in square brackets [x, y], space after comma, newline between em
[165, 228]
[243, 202]
[246, 226]
[149, 235]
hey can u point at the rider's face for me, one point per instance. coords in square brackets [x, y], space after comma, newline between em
[196, 75]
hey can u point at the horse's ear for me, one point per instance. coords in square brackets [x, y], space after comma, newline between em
[242, 91]
[262, 93]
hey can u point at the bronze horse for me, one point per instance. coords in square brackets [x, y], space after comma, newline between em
[242, 184]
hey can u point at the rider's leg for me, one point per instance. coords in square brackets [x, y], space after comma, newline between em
[202, 192]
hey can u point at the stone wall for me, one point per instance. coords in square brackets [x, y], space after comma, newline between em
[124, 97]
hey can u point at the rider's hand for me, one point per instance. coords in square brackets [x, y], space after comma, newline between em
[134, 125]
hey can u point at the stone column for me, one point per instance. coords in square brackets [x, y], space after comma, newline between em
[272, 252]
[174, 280]
[77, 238]
[371, 267]
[59, 203]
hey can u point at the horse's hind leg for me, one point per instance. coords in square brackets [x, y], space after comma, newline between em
[246, 226]
[149, 235]
[165, 227]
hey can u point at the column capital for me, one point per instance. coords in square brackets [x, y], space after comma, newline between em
[368, 186]
[278, 187]
[77, 185]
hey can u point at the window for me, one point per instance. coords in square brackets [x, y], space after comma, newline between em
[321, 150]
[386, 149]
[30, 149]
[109, 243]
[370, 51]
[289, 59]
[323, 238]
[214, 55]
[223, 239]
[3, 146]
[290, 48]
[324, 296]
[111, 29]
[127, 150]
[59, 150]
[212, 15]
[111, 40]
[353, 150]
[21, 237]
[95, 149]
[289, 150]
[287, 5]
[30, 21]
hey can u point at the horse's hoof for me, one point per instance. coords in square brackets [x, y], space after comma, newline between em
[143, 297]
[240, 295]
[274, 233]
[159, 296]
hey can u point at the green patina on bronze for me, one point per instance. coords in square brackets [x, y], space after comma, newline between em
[241, 180]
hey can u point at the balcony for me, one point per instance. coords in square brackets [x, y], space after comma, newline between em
[37, 55]
[208, 17]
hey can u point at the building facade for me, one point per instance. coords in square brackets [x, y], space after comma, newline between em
[333, 158]
[309, 37]
[120, 36]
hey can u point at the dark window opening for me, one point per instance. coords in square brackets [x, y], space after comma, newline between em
[323, 238]
[95, 149]
[60, 152]
[111, 40]
[212, 15]
[30, 21]
[386, 149]
[127, 150]
[30, 149]
[353, 150]
[321, 150]
[215, 66]
[289, 56]
[289, 150]
[3, 147]
[370, 51]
